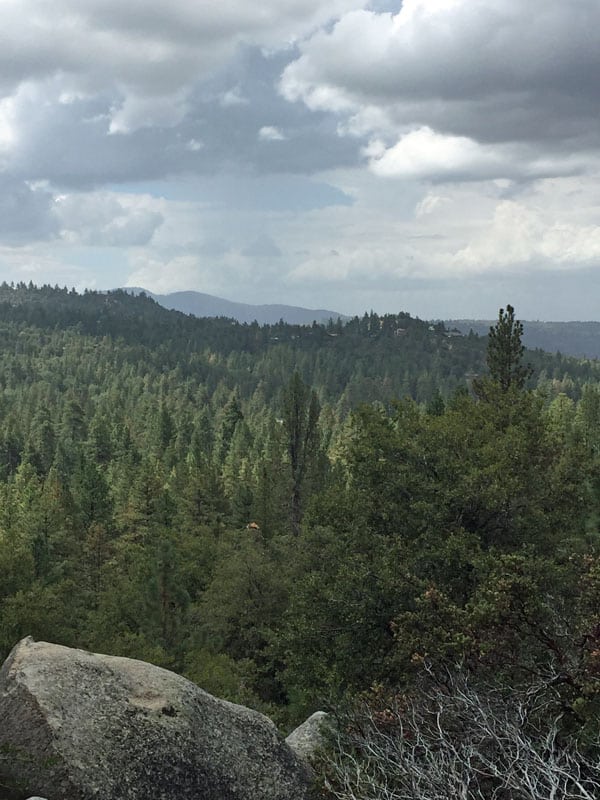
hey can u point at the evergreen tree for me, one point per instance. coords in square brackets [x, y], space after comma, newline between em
[300, 419]
[505, 352]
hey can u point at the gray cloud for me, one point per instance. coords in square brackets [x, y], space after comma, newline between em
[93, 39]
[26, 213]
[262, 247]
[66, 139]
[160, 139]
[497, 72]
[150, 50]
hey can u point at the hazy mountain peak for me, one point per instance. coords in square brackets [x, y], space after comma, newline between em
[205, 305]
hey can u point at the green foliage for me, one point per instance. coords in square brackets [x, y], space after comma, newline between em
[505, 353]
[291, 514]
[301, 412]
[429, 515]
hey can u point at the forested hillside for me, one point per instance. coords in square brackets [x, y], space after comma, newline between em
[295, 515]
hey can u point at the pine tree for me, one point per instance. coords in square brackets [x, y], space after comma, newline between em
[300, 420]
[504, 357]
[505, 352]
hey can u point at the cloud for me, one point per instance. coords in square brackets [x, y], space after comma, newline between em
[229, 275]
[104, 219]
[7, 130]
[148, 112]
[462, 249]
[194, 146]
[34, 263]
[26, 212]
[151, 50]
[168, 275]
[429, 204]
[98, 94]
[426, 155]
[492, 84]
[519, 236]
[262, 247]
[233, 97]
[86, 140]
[269, 133]
[389, 148]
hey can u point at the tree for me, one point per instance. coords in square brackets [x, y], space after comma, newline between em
[230, 416]
[505, 352]
[300, 420]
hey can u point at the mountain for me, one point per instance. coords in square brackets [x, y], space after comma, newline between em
[206, 305]
[580, 339]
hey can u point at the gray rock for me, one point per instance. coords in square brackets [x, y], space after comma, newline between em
[309, 737]
[84, 726]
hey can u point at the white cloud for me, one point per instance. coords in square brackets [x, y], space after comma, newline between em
[357, 265]
[164, 276]
[163, 273]
[523, 236]
[233, 97]
[107, 219]
[426, 154]
[429, 204]
[36, 264]
[469, 231]
[194, 145]
[270, 133]
[165, 111]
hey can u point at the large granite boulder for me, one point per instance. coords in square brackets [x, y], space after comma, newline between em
[78, 725]
[308, 739]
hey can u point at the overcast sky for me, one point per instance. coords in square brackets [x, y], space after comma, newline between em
[436, 156]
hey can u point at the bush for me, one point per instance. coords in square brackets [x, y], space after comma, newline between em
[451, 741]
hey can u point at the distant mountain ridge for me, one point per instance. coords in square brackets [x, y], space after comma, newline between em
[207, 305]
[580, 339]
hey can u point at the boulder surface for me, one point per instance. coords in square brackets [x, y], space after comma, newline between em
[307, 739]
[79, 725]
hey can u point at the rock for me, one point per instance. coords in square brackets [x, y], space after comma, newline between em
[80, 725]
[309, 737]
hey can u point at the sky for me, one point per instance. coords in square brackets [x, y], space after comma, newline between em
[440, 157]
